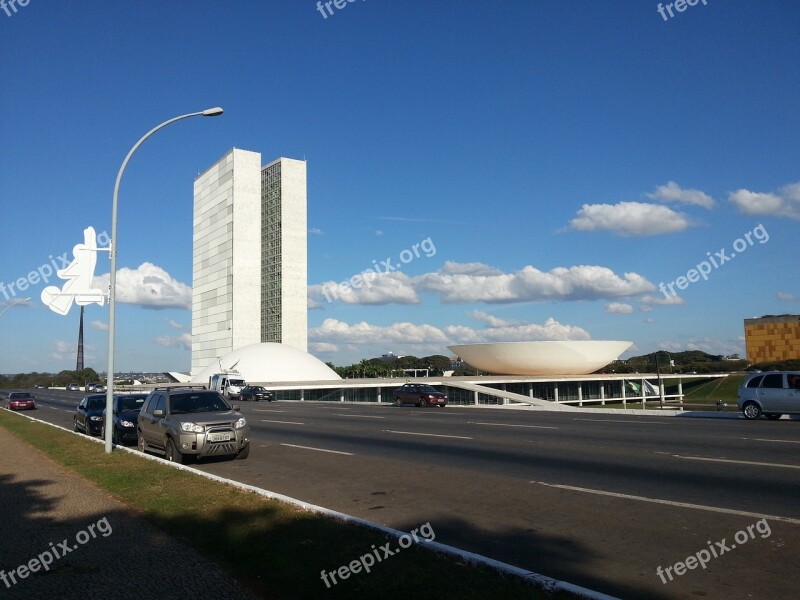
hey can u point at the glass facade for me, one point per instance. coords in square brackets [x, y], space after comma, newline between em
[271, 306]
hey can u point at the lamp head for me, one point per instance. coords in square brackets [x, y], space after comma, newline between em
[212, 112]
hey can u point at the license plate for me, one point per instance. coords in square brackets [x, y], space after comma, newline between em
[220, 437]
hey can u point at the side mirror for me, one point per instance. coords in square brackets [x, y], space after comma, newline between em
[158, 413]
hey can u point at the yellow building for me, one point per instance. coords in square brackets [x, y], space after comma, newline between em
[772, 338]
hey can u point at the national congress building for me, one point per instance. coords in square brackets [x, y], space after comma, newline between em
[249, 273]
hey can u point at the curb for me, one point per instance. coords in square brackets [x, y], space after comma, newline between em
[542, 581]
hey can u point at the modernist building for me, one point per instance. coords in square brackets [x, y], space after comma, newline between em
[772, 338]
[249, 273]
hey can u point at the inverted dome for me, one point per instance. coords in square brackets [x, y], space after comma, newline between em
[270, 362]
[541, 358]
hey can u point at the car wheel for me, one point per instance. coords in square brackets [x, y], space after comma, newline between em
[751, 410]
[172, 453]
[398, 402]
[75, 425]
[422, 403]
[244, 452]
[141, 443]
[773, 416]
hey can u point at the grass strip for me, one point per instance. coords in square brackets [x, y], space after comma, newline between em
[275, 549]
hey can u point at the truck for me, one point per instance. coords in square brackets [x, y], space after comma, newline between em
[228, 383]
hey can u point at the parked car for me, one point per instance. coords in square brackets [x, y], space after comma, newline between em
[73, 387]
[20, 401]
[88, 415]
[257, 393]
[90, 387]
[126, 412]
[420, 395]
[772, 394]
[98, 388]
[181, 423]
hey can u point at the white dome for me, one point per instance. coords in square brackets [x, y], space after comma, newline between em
[270, 362]
[541, 358]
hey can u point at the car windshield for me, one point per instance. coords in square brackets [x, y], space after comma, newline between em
[19, 396]
[130, 402]
[428, 389]
[257, 389]
[237, 382]
[96, 404]
[197, 403]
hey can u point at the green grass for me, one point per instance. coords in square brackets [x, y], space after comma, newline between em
[276, 550]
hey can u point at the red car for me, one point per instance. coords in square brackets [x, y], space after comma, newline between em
[419, 395]
[20, 401]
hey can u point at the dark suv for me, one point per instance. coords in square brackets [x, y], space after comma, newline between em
[184, 422]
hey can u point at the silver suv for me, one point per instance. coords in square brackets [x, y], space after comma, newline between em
[184, 422]
[772, 394]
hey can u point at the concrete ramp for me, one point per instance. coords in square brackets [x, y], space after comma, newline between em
[504, 396]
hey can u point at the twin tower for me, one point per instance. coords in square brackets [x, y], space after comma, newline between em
[249, 272]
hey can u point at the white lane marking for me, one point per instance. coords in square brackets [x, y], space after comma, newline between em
[717, 509]
[458, 437]
[512, 425]
[318, 449]
[735, 462]
[775, 441]
[285, 422]
[637, 421]
[267, 410]
[361, 416]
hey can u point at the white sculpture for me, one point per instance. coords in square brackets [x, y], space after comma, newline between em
[79, 274]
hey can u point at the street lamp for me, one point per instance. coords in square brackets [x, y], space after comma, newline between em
[112, 291]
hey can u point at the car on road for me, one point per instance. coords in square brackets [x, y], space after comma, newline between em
[100, 388]
[256, 393]
[126, 412]
[420, 395]
[184, 423]
[73, 387]
[20, 401]
[771, 394]
[90, 387]
[88, 415]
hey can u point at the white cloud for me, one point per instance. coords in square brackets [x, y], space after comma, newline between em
[672, 300]
[183, 341]
[476, 282]
[722, 347]
[428, 338]
[381, 288]
[491, 320]
[619, 308]
[786, 297]
[629, 219]
[149, 286]
[784, 203]
[61, 347]
[315, 231]
[672, 192]
[174, 324]
[378, 233]
[99, 325]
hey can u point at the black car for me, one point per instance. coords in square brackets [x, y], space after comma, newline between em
[420, 395]
[256, 392]
[126, 411]
[88, 415]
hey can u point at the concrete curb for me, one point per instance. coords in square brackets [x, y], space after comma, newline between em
[547, 583]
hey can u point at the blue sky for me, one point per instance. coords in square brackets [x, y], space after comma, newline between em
[563, 159]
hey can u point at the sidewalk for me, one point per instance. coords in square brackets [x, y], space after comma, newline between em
[97, 547]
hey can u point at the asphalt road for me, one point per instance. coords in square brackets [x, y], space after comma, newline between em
[599, 500]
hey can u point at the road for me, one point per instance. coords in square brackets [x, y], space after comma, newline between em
[599, 500]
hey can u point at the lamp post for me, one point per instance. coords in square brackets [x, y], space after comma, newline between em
[109, 417]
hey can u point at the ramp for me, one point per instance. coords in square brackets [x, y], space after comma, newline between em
[504, 395]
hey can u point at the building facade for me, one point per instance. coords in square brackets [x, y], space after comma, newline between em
[249, 256]
[772, 338]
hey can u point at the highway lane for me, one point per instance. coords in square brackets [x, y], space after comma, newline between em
[484, 479]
